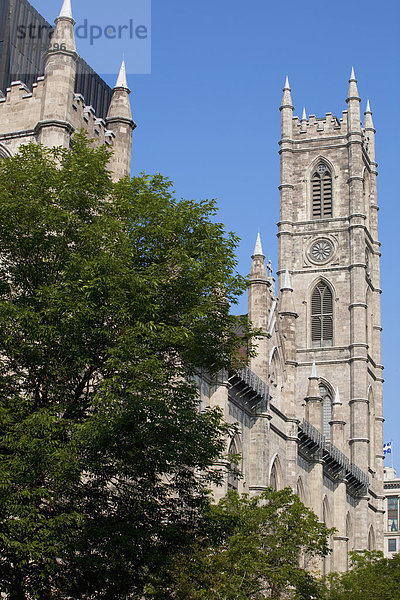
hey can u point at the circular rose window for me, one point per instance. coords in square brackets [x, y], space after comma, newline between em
[321, 250]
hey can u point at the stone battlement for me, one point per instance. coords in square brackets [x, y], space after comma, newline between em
[84, 117]
[51, 111]
[319, 126]
[20, 107]
[21, 110]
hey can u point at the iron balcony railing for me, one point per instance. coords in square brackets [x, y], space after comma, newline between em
[309, 435]
[250, 388]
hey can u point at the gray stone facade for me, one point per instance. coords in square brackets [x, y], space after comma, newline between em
[320, 432]
[309, 407]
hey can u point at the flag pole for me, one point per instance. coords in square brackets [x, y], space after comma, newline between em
[391, 441]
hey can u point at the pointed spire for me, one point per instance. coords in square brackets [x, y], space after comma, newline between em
[121, 80]
[287, 302]
[337, 397]
[63, 35]
[286, 109]
[303, 122]
[313, 386]
[286, 98]
[286, 282]
[120, 106]
[258, 251]
[66, 11]
[313, 371]
[368, 122]
[353, 91]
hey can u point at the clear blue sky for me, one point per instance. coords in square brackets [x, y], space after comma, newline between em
[208, 113]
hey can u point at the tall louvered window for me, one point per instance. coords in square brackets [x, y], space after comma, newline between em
[322, 315]
[326, 409]
[321, 183]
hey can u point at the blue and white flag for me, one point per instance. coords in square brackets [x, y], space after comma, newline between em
[387, 448]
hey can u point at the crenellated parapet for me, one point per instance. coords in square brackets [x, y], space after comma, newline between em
[315, 127]
[84, 117]
[20, 110]
[51, 111]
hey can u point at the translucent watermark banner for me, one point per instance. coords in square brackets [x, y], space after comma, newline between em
[104, 32]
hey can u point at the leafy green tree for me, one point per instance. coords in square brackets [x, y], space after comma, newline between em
[249, 549]
[371, 577]
[112, 297]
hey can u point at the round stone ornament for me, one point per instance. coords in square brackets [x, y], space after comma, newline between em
[321, 250]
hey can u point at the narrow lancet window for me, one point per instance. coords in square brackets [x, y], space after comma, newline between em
[326, 409]
[321, 182]
[232, 476]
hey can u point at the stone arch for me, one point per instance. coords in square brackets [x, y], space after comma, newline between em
[300, 490]
[274, 367]
[326, 512]
[315, 282]
[315, 161]
[235, 447]
[371, 538]
[4, 152]
[275, 373]
[276, 480]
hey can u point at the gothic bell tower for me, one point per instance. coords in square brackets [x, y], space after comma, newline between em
[328, 241]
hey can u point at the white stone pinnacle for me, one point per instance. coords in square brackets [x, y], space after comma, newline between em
[66, 10]
[286, 282]
[368, 109]
[337, 397]
[304, 117]
[313, 371]
[287, 86]
[121, 81]
[353, 91]
[258, 247]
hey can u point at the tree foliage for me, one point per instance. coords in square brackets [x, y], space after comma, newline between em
[250, 549]
[370, 577]
[112, 296]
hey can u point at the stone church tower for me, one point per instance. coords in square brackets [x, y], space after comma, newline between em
[328, 241]
[309, 405]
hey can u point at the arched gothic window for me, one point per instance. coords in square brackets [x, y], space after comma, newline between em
[275, 478]
[371, 539]
[322, 315]
[300, 490]
[326, 517]
[232, 477]
[326, 396]
[321, 182]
